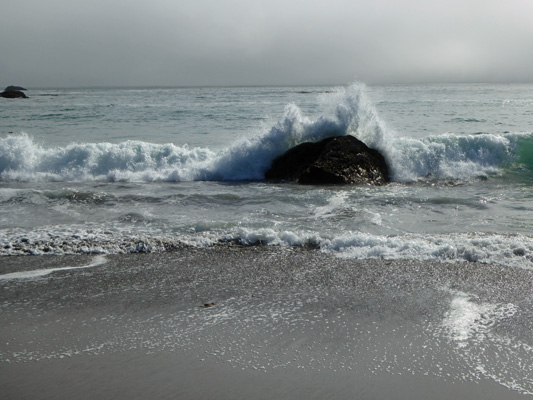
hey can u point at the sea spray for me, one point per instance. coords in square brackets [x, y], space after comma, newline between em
[436, 157]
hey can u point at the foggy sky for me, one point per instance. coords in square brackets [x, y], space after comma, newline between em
[61, 43]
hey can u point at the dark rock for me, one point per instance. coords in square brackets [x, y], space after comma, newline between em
[11, 88]
[13, 94]
[335, 160]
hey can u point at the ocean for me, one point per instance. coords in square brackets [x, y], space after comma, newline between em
[97, 178]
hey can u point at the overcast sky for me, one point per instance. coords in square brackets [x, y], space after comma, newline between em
[254, 42]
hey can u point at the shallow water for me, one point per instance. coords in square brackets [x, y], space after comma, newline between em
[128, 170]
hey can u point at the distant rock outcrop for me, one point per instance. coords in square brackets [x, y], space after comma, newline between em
[14, 92]
[11, 87]
[335, 160]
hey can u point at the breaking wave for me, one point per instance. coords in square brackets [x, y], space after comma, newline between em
[436, 157]
[512, 250]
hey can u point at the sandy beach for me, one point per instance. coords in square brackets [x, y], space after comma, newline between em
[230, 322]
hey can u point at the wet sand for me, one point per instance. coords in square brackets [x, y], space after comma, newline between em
[131, 375]
[285, 324]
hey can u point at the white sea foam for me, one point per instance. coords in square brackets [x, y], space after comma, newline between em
[37, 273]
[334, 203]
[23, 159]
[472, 325]
[509, 250]
[447, 156]
[468, 320]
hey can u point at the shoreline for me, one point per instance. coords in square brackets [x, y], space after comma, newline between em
[286, 323]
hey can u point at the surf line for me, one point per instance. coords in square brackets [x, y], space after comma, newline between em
[97, 261]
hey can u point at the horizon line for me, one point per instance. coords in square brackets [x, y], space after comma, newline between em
[192, 86]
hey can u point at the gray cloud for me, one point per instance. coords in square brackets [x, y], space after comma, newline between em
[232, 42]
